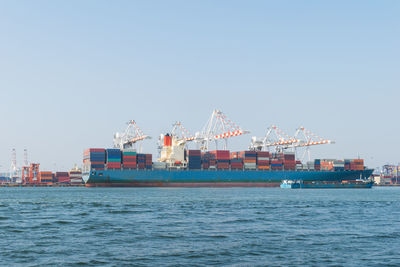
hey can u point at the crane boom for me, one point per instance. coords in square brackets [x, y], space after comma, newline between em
[278, 139]
[130, 137]
[218, 127]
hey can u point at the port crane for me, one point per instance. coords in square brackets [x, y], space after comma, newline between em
[130, 137]
[30, 174]
[279, 140]
[181, 132]
[275, 137]
[307, 139]
[15, 172]
[218, 127]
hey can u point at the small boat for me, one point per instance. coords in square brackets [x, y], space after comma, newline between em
[297, 184]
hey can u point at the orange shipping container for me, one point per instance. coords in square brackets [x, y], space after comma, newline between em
[263, 167]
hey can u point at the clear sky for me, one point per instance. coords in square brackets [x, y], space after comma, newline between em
[74, 72]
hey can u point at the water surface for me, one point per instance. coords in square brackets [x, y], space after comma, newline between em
[199, 226]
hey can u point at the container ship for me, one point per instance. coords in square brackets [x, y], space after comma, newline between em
[178, 166]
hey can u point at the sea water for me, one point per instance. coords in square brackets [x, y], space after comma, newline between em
[199, 227]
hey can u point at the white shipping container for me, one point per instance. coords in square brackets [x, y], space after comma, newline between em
[129, 150]
[289, 153]
[250, 167]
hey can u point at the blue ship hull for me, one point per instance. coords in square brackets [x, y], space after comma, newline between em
[212, 178]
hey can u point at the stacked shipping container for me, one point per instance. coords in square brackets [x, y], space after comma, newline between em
[289, 161]
[98, 158]
[149, 161]
[338, 165]
[342, 165]
[209, 161]
[45, 177]
[222, 158]
[357, 165]
[194, 159]
[94, 158]
[327, 164]
[144, 161]
[263, 160]
[129, 158]
[141, 161]
[249, 159]
[347, 164]
[317, 164]
[113, 158]
[276, 161]
[236, 161]
[75, 177]
[63, 177]
[276, 164]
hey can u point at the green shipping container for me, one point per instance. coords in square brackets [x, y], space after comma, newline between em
[113, 160]
[129, 153]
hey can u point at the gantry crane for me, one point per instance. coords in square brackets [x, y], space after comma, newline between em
[307, 139]
[30, 174]
[277, 139]
[274, 138]
[13, 174]
[130, 137]
[218, 127]
[181, 132]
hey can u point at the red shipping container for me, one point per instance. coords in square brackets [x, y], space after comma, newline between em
[194, 152]
[129, 157]
[129, 161]
[237, 168]
[263, 154]
[95, 150]
[96, 162]
[221, 154]
[113, 165]
[223, 166]
[64, 179]
[276, 168]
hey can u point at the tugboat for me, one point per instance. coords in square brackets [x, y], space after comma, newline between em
[297, 184]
